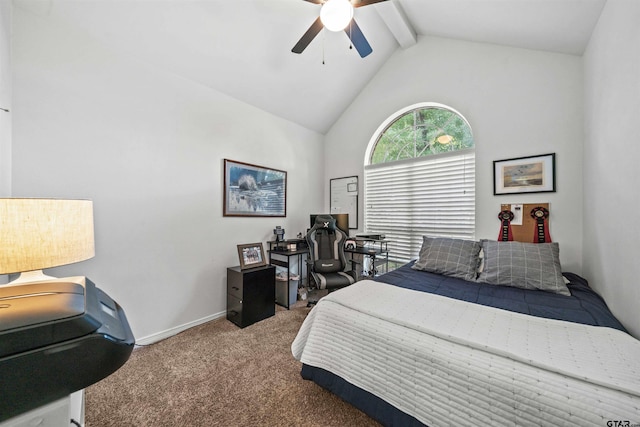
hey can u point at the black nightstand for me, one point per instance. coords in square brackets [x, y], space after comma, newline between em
[250, 294]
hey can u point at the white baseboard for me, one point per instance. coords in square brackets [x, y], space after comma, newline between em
[153, 338]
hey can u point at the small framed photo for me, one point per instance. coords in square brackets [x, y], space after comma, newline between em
[251, 255]
[534, 174]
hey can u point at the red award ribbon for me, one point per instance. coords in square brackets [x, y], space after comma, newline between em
[505, 234]
[541, 232]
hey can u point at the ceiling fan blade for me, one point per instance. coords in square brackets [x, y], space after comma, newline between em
[304, 41]
[360, 3]
[316, 1]
[357, 38]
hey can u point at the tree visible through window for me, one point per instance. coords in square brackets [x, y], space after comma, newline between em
[420, 179]
[422, 132]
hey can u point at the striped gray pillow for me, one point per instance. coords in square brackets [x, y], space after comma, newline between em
[450, 257]
[523, 265]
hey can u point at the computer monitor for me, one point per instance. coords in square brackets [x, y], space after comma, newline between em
[342, 221]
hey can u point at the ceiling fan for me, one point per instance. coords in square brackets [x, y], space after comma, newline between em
[337, 15]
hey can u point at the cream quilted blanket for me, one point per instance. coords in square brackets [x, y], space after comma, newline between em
[449, 362]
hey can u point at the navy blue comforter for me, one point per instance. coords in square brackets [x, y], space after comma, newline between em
[583, 306]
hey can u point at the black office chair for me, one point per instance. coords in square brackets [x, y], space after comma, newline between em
[326, 262]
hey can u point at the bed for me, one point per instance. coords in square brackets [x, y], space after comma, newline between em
[456, 338]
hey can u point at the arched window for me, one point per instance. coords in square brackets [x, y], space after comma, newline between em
[420, 178]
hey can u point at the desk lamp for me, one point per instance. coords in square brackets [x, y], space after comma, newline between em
[43, 233]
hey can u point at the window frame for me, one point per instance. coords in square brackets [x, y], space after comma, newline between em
[373, 142]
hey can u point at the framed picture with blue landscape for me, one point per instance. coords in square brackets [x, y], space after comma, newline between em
[252, 190]
[533, 174]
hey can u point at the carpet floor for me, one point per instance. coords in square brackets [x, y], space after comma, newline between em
[217, 374]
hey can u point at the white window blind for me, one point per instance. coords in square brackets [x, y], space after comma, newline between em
[432, 196]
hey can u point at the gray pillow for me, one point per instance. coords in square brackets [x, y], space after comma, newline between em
[450, 257]
[523, 265]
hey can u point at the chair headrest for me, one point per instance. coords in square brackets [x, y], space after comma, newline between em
[326, 222]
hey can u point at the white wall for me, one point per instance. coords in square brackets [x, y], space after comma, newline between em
[611, 156]
[519, 103]
[147, 147]
[5, 98]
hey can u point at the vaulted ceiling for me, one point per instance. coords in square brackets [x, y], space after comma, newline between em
[243, 47]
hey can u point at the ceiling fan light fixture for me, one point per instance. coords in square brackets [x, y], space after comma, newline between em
[336, 14]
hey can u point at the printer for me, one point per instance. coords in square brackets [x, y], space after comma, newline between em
[57, 337]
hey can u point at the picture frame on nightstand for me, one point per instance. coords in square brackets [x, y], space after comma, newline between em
[251, 255]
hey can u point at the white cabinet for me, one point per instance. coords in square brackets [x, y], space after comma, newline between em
[55, 414]
[76, 408]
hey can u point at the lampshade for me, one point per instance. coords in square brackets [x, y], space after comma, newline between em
[44, 233]
[336, 14]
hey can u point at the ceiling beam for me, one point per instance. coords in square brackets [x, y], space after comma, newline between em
[395, 18]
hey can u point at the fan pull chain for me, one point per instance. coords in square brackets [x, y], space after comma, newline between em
[351, 35]
[323, 44]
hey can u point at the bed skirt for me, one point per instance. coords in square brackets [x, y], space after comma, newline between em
[368, 403]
